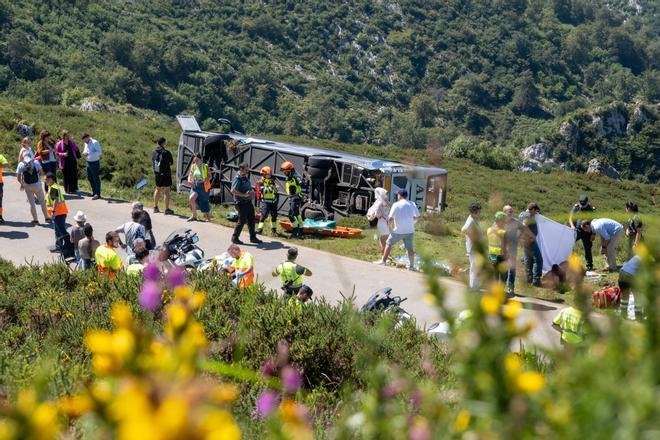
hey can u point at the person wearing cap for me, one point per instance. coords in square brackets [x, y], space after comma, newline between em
[243, 193]
[56, 206]
[296, 301]
[92, 153]
[495, 236]
[610, 232]
[291, 273]
[267, 200]
[3, 162]
[402, 219]
[579, 213]
[532, 251]
[293, 188]
[27, 174]
[200, 183]
[108, 261]
[77, 232]
[243, 266]
[473, 240]
[132, 231]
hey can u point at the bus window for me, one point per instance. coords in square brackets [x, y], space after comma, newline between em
[435, 192]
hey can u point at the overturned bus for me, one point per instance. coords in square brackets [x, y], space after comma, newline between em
[335, 184]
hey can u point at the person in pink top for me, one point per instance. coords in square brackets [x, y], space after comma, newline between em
[68, 155]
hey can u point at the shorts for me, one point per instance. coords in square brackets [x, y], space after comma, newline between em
[407, 240]
[163, 180]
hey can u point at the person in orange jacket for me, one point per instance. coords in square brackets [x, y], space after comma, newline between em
[57, 209]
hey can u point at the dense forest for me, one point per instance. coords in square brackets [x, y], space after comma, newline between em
[481, 79]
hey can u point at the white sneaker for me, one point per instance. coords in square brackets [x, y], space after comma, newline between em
[380, 262]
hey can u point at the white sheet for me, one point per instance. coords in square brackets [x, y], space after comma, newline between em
[555, 240]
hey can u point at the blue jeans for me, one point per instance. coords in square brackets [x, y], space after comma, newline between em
[511, 279]
[533, 263]
[60, 227]
[93, 175]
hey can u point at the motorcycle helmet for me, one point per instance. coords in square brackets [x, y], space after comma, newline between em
[286, 166]
[266, 171]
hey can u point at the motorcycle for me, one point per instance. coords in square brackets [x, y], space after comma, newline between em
[182, 249]
[382, 301]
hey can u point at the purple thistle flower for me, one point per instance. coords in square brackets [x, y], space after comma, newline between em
[151, 272]
[419, 431]
[291, 379]
[176, 277]
[150, 295]
[268, 368]
[266, 403]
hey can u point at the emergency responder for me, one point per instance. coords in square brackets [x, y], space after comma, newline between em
[291, 273]
[243, 193]
[57, 209]
[267, 200]
[242, 269]
[576, 217]
[293, 190]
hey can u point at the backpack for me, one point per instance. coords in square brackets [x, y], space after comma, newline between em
[372, 212]
[30, 173]
[159, 158]
[606, 298]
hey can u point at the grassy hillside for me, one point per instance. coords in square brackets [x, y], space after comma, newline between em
[403, 73]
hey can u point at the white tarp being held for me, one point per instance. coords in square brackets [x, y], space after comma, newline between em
[555, 240]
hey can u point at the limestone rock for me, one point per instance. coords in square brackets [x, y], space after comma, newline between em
[93, 105]
[570, 134]
[596, 167]
[535, 156]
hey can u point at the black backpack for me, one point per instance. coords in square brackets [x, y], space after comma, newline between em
[30, 173]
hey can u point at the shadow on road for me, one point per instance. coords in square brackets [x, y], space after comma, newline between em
[537, 307]
[273, 245]
[14, 235]
[13, 224]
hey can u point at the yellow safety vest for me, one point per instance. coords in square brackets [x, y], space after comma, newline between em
[203, 168]
[287, 272]
[495, 236]
[293, 186]
[267, 189]
[570, 321]
[107, 260]
[61, 206]
[243, 262]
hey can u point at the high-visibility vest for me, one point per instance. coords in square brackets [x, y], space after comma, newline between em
[495, 236]
[204, 169]
[293, 186]
[570, 321]
[61, 208]
[3, 161]
[287, 271]
[267, 189]
[107, 261]
[296, 304]
[243, 262]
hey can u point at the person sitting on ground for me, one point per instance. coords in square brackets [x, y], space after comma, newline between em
[569, 322]
[132, 231]
[27, 174]
[142, 257]
[633, 228]
[139, 245]
[627, 276]
[3, 162]
[380, 212]
[145, 220]
[291, 273]
[495, 236]
[77, 232]
[243, 266]
[472, 232]
[610, 233]
[532, 251]
[87, 247]
[402, 219]
[107, 259]
[304, 294]
[199, 181]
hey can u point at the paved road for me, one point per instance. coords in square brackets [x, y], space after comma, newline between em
[22, 242]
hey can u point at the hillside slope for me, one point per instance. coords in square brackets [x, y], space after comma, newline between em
[403, 73]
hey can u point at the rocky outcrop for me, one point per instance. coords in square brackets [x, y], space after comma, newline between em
[597, 167]
[570, 134]
[93, 105]
[536, 156]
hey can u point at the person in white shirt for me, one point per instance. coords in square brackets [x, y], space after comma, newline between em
[472, 232]
[26, 149]
[402, 218]
[92, 153]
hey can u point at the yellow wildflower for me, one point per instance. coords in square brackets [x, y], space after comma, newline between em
[574, 263]
[121, 315]
[98, 341]
[123, 343]
[225, 393]
[172, 417]
[512, 364]
[462, 420]
[68, 314]
[44, 421]
[101, 390]
[177, 316]
[530, 382]
[642, 251]
[511, 309]
[8, 429]
[497, 290]
[183, 292]
[75, 406]
[489, 304]
[103, 364]
[220, 425]
[26, 400]
[429, 298]
[197, 300]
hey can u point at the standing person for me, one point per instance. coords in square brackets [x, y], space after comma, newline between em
[162, 161]
[268, 200]
[293, 188]
[243, 193]
[57, 209]
[243, 266]
[27, 174]
[132, 231]
[68, 152]
[579, 213]
[532, 251]
[145, 220]
[380, 211]
[108, 261]
[198, 178]
[514, 230]
[26, 149]
[634, 227]
[77, 232]
[92, 153]
[3, 162]
[46, 153]
[472, 232]
[610, 233]
[569, 322]
[291, 273]
[627, 276]
[495, 236]
[87, 247]
[402, 218]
